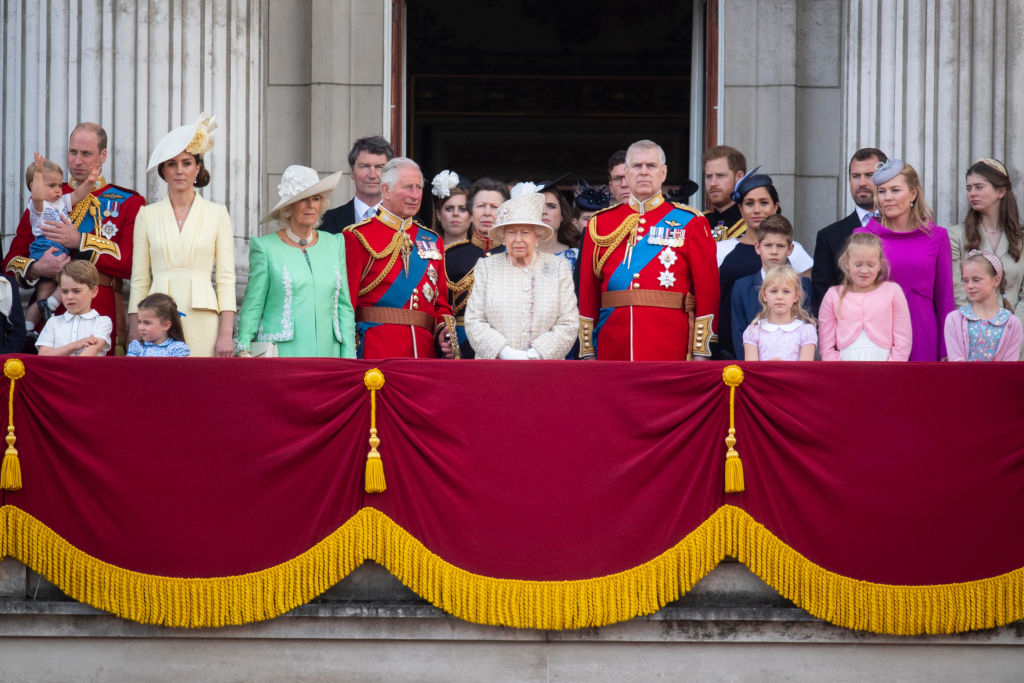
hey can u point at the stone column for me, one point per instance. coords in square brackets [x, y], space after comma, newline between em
[325, 89]
[782, 102]
[138, 69]
[936, 83]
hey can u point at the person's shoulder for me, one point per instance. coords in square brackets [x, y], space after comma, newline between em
[179, 348]
[112, 191]
[689, 209]
[436, 234]
[608, 213]
[957, 232]
[134, 348]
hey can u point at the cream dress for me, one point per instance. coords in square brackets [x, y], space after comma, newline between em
[181, 263]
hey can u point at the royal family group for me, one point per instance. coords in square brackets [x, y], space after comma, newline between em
[510, 270]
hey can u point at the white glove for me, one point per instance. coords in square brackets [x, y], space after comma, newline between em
[508, 353]
[533, 354]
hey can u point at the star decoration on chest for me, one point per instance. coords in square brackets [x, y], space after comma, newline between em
[666, 279]
[667, 257]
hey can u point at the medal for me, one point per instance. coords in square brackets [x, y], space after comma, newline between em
[432, 274]
[428, 292]
[108, 230]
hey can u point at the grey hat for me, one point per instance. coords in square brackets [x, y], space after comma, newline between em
[887, 171]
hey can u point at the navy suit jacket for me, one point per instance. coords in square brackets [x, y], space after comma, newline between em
[337, 219]
[827, 248]
[746, 306]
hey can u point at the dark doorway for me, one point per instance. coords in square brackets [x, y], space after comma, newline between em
[530, 90]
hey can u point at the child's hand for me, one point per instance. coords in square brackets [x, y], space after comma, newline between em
[37, 178]
[94, 174]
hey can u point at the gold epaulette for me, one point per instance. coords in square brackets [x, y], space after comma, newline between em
[99, 245]
[454, 244]
[350, 228]
[686, 207]
[19, 266]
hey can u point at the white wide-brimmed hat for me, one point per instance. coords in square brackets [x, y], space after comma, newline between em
[299, 182]
[526, 209]
[195, 138]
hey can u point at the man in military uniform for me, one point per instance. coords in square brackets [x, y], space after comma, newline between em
[101, 230]
[639, 261]
[396, 274]
[723, 167]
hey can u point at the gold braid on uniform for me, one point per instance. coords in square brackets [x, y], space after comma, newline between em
[393, 250]
[461, 287]
[611, 241]
[89, 204]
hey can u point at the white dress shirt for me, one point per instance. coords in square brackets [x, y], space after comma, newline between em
[362, 207]
[61, 330]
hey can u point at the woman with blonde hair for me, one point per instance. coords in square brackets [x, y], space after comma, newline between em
[918, 253]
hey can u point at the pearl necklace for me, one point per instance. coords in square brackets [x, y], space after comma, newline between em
[301, 241]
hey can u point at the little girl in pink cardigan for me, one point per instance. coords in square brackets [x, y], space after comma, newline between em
[866, 318]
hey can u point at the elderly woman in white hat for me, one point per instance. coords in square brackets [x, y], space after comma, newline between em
[523, 304]
[182, 239]
[297, 301]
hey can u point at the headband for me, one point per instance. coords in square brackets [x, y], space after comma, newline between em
[884, 172]
[997, 264]
[994, 164]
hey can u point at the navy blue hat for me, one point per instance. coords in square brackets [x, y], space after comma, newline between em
[685, 191]
[590, 198]
[749, 182]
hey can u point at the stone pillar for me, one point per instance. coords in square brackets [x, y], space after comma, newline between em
[935, 82]
[781, 101]
[326, 84]
[138, 69]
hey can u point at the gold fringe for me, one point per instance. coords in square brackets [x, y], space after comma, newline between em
[866, 606]
[582, 603]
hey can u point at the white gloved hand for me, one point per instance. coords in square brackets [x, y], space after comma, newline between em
[508, 353]
[533, 354]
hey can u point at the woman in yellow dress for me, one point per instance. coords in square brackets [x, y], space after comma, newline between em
[182, 240]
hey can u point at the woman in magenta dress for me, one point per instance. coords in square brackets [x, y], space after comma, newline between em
[918, 253]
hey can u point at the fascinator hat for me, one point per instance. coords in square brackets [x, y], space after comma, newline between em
[444, 182]
[749, 182]
[885, 172]
[524, 209]
[299, 182]
[590, 198]
[543, 186]
[195, 138]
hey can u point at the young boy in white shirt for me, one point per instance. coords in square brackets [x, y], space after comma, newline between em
[81, 331]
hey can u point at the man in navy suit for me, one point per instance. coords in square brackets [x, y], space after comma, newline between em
[831, 240]
[366, 160]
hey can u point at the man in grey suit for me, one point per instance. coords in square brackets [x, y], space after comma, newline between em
[366, 160]
[830, 241]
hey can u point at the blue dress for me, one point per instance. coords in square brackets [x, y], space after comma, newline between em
[168, 348]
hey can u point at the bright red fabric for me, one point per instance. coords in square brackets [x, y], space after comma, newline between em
[893, 473]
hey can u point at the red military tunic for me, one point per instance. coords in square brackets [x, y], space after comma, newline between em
[638, 262]
[399, 290]
[106, 219]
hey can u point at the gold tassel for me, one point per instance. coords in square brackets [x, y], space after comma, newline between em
[10, 471]
[374, 481]
[733, 377]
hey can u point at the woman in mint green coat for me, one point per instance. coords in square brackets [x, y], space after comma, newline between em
[297, 302]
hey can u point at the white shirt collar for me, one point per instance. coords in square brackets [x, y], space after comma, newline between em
[88, 315]
[361, 207]
[863, 215]
[788, 327]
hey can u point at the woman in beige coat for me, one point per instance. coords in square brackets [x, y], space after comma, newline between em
[181, 240]
[523, 305]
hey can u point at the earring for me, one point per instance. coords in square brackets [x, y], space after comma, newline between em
[912, 204]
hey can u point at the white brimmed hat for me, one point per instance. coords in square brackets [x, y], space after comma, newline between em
[195, 138]
[299, 182]
[526, 209]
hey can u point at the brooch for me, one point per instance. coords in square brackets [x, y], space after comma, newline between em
[108, 230]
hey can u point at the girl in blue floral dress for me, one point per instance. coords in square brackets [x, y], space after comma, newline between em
[983, 329]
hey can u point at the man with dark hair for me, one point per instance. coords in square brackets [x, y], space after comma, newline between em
[101, 230]
[830, 241]
[723, 167]
[617, 177]
[366, 160]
